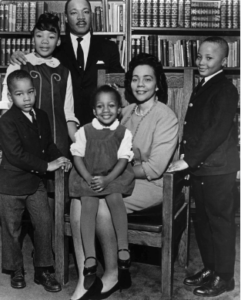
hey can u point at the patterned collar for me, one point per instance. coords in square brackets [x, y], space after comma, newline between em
[35, 60]
[96, 124]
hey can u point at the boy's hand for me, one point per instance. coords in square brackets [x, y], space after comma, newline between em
[99, 183]
[59, 162]
[18, 57]
[178, 165]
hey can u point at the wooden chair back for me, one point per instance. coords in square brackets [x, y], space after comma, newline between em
[173, 214]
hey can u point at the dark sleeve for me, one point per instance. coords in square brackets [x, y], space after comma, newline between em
[14, 151]
[224, 107]
[52, 151]
[112, 58]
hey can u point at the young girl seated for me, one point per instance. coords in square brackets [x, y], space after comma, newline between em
[52, 81]
[101, 154]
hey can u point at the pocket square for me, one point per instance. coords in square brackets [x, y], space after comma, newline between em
[100, 62]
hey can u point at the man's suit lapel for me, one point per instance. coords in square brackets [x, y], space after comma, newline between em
[94, 52]
[207, 85]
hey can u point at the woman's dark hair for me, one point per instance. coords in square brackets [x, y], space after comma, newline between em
[152, 61]
[106, 89]
[49, 22]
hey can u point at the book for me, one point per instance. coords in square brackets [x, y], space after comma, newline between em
[168, 13]
[148, 13]
[25, 16]
[161, 13]
[235, 14]
[174, 13]
[3, 52]
[8, 51]
[223, 14]
[19, 16]
[42, 7]
[98, 20]
[142, 13]
[1, 17]
[187, 13]
[180, 21]
[142, 44]
[32, 14]
[135, 13]
[154, 15]
[6, 17]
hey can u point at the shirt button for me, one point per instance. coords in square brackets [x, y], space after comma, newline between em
[43, 151]
[191, 104]
[184, 142]
[185, 123]
[198, 166]
[40, 136]
[202, 183]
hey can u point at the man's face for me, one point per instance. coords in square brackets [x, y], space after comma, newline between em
[78, 17]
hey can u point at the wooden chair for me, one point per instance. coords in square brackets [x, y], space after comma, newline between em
[170, 222]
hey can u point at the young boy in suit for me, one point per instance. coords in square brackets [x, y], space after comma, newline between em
[210, 152]
[28, 153]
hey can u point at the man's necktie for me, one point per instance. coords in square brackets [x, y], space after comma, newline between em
[34, 121]
[80, 53]
[200, 85]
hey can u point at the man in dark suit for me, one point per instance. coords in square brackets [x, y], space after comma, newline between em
[28, 153]
[210, 153]
[83, 54]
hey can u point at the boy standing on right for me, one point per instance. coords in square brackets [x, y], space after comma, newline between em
[210, 152]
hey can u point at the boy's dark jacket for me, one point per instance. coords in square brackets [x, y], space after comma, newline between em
[26, 151]
[210, 135]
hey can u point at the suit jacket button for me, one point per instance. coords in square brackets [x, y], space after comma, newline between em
[191, 104]
[184, 142]
[185, 123]
[43, 151]
[40, 136]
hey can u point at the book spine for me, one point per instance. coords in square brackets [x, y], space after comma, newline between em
[32, 45]
[32, 14]
[23, 44]
[184, 44]
[138, 46]
[8, 51]
[25, 16]
[154, 13]
[19, 16]
[205, 24]
[3, 52]
[223, 14]
[105, 13]
[135, 13]
[168, 13]
[235, 18]
[174, 14]
[164, 52]
[187, 13]
[171, 61]
[229, 14]
[1, 17]
[181, 13]
[142, 14]
[161, 13]
[28, 45]
[10, 18]
[98, 18]
[142, 44]
[148, 14]
[6, 17]
[121, 18]
[161, 51]
[14, 17]
[13, 46]
[155, 45]
[62, 22]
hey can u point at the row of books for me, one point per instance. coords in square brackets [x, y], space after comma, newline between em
[115, 16]
[10, 45]
[186, 13]
[181, 53]
[20, 15]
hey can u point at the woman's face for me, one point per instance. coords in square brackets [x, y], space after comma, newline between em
[143, 83]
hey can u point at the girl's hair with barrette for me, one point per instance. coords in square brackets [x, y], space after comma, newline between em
[49, 22]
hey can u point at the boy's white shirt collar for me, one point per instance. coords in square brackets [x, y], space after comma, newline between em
[96, 124]
[35, 60]
[211, 76]
[27, 114]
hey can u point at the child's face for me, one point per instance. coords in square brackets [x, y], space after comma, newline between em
[210, 58]
[143, 83]
[22, 94]
[106, 108]
[45, 42]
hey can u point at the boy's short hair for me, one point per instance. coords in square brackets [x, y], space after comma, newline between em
[106, 89]
[17, 75]
[220, 41]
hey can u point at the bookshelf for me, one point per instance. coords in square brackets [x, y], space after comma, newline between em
[108, 19]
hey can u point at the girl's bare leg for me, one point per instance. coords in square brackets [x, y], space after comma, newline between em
[106, 235]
